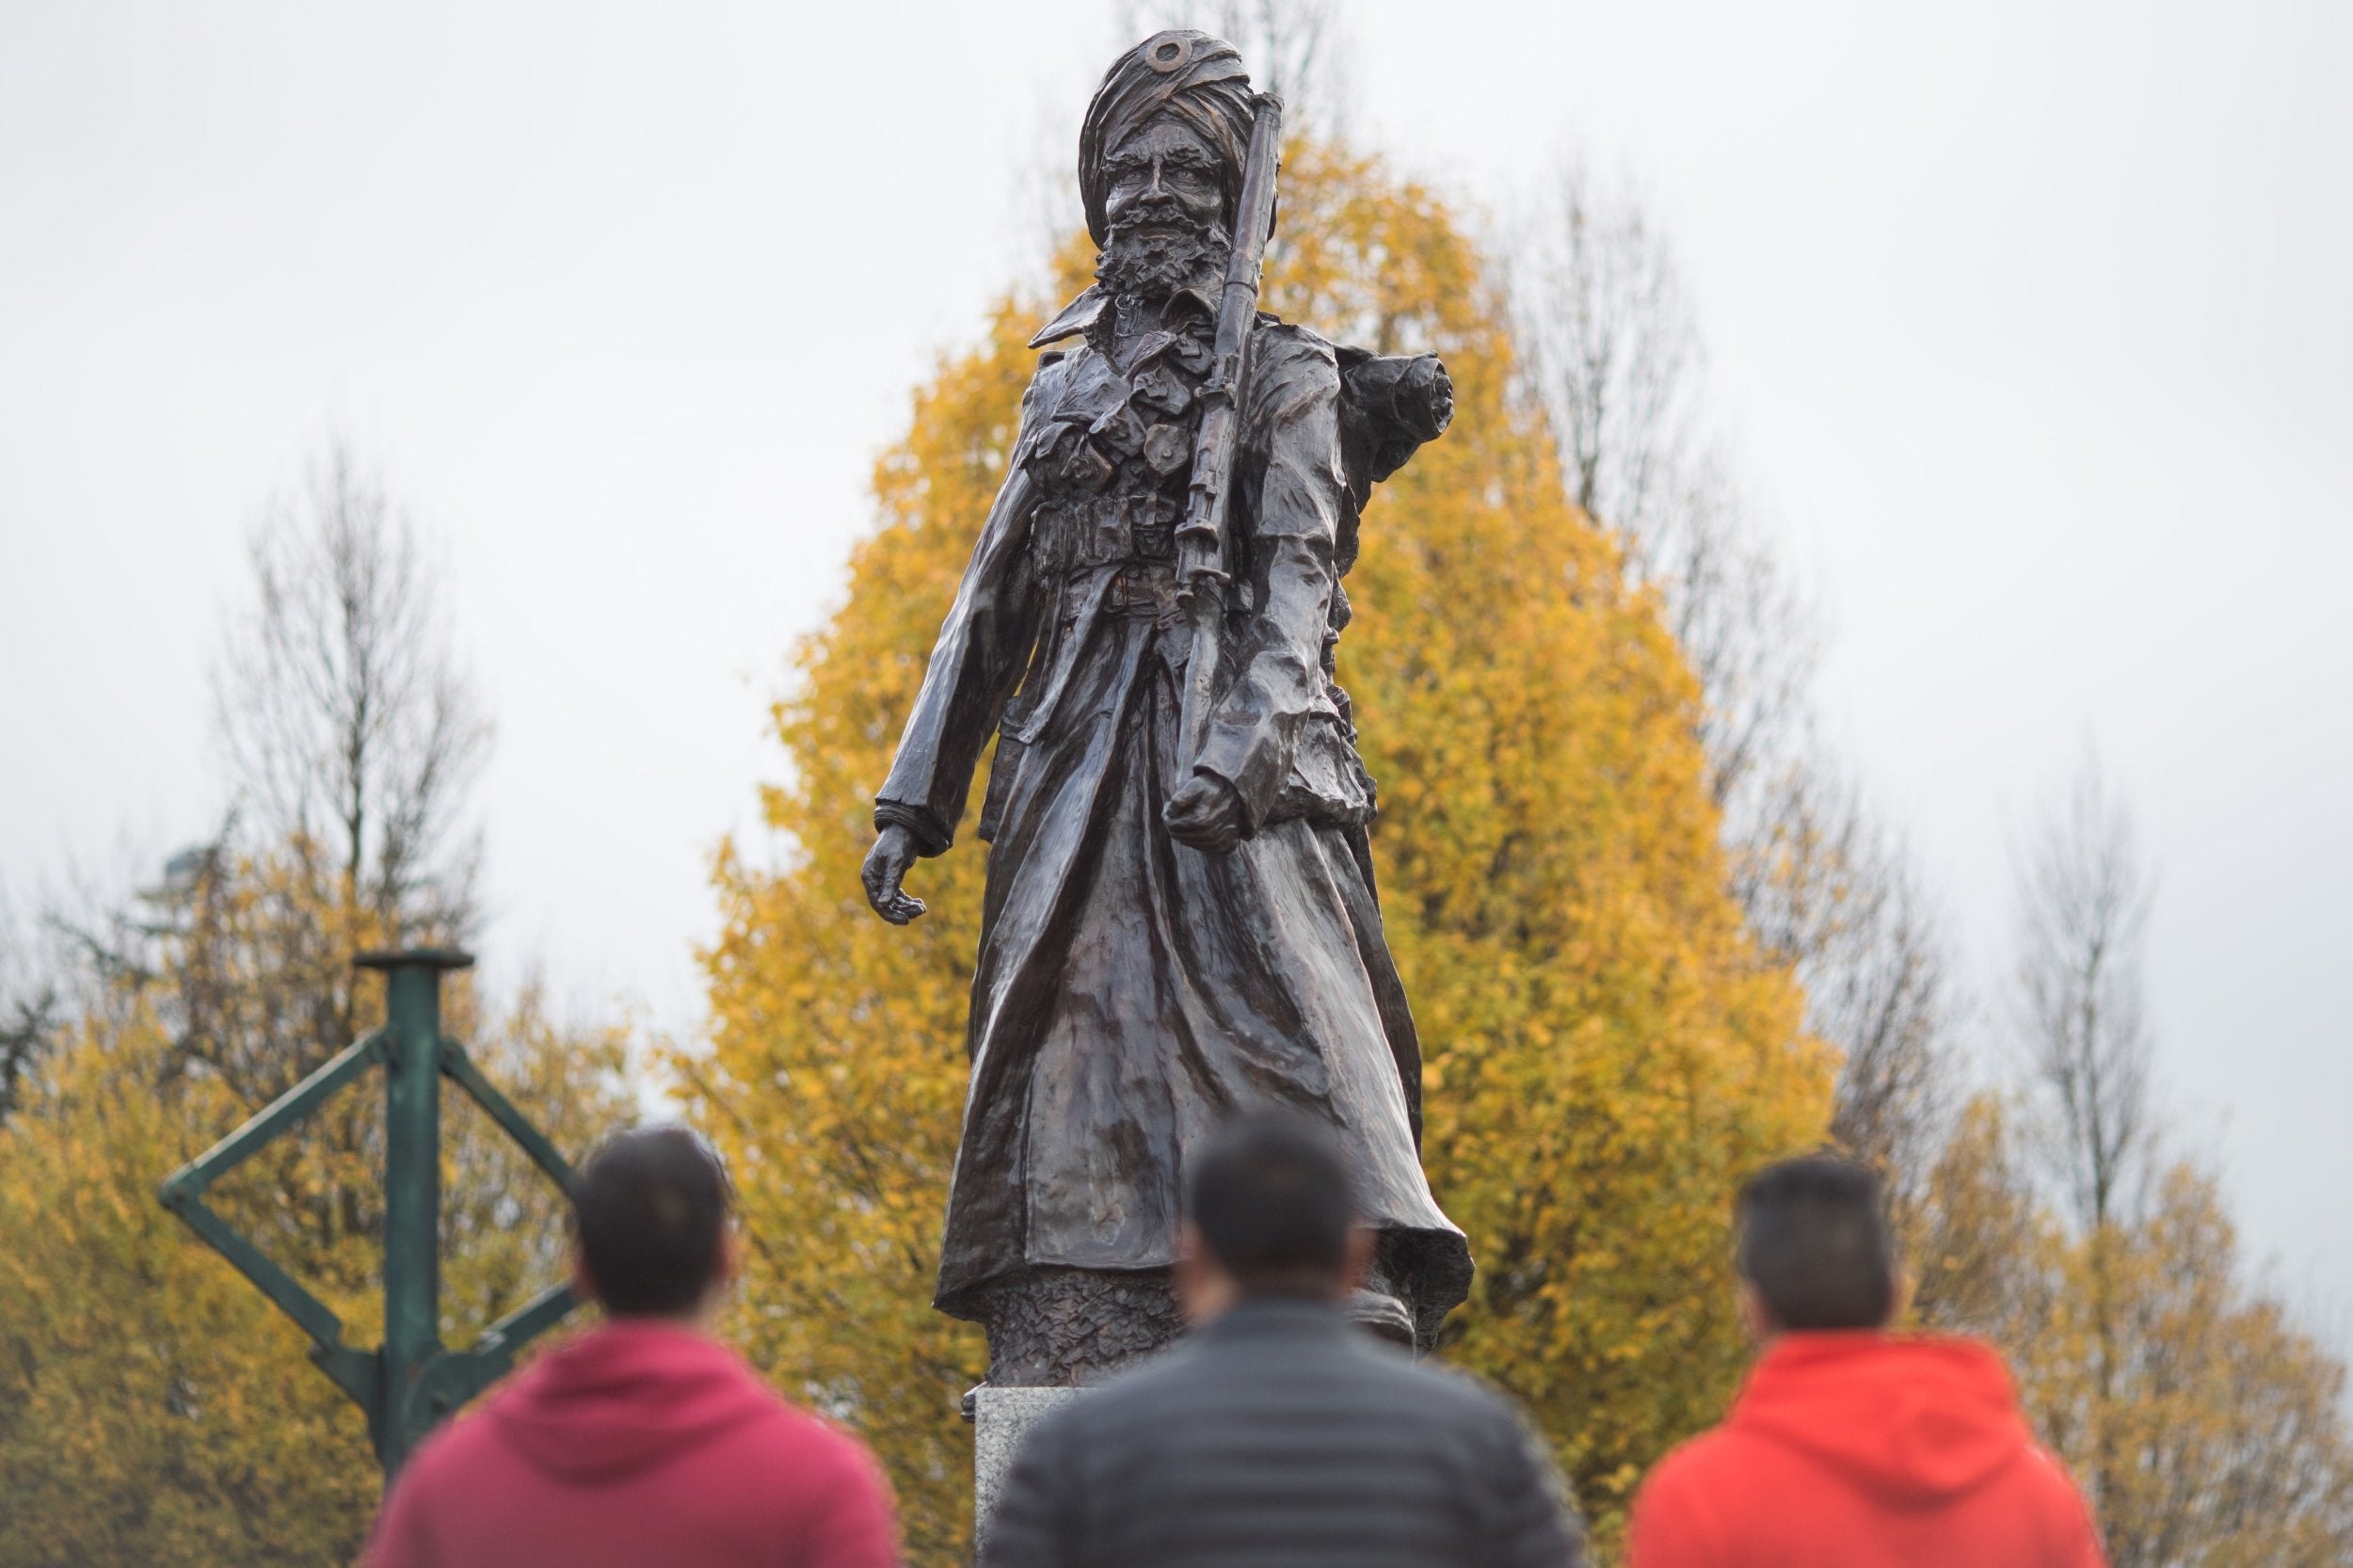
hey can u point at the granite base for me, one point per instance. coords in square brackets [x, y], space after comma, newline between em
[1000, 1418]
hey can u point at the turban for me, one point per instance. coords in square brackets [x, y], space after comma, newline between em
[1198, 78]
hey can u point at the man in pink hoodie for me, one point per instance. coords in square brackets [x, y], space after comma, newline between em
[643, 1440]
[1850, 1447]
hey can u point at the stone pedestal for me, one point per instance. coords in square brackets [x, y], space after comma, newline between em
[1000, 1418]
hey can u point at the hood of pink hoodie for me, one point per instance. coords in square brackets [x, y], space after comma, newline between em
[624, 1396]
[1915, 1421]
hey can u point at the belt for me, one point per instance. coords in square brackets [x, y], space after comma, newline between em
[1145, 589]
[1103, 530]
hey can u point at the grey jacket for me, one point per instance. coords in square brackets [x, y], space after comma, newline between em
[1280, 1436]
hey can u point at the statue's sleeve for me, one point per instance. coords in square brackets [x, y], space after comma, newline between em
[983, 649]
[1301, 498]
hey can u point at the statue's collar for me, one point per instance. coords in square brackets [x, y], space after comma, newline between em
[1082, 312]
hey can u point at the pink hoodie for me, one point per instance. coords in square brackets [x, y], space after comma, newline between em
[1864, 1450]
[637, 1444]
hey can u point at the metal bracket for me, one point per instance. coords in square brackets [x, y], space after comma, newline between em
[408, 1385]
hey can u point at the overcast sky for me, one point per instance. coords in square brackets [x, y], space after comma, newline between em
[2031, 319]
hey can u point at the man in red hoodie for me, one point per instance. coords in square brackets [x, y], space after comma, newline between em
[644, 1442]
[1850, 1447]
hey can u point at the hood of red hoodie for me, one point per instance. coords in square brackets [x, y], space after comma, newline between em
[624, 1396]
[1917, 1421]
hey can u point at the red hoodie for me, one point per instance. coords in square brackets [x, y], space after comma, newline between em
[1864, 1450]
[638, 1444]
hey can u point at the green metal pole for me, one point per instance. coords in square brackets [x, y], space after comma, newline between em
[412, 1194]
[408, 1385]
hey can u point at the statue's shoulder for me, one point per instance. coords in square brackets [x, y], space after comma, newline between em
[1291, 367]
[1295, 347]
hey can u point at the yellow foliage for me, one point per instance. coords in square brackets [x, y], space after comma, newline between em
[1607, 1054]
[2204, 1426]
[155, 1408]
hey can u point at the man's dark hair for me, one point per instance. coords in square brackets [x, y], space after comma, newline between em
[649, 1209]
[1272, 1197]
[1814, 1241]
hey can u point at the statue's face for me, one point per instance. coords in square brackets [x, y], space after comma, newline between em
[1164, 178]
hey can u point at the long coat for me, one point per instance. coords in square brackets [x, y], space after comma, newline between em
[1132, 992]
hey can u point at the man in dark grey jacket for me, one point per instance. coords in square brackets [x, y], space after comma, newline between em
[1279, 1434]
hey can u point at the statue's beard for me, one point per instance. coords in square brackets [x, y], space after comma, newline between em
[1154, 262]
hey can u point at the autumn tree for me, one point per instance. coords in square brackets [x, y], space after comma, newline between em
[2207, 1424]
[31, 1010]
[1606, 1053]
[2050, 1219]
[2083, 899]
[352, 734]
[2207, 1427]
[2083, 912]
[1614, 357]
[1873, 948]
[1982, 1244]
[2213, 1425]
[153, 1406]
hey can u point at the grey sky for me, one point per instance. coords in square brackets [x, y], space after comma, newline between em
[2030, 319]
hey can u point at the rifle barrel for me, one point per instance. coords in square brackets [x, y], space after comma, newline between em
[1202, 575]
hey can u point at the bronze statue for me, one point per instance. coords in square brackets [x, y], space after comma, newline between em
[1181, 920]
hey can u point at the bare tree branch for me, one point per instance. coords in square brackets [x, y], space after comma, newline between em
[2083, 912]
[1882, 988]
[1611, 355]
[348, 725]
[2083, 909]
[352, 736]
[33, 1009]
[1612, 347]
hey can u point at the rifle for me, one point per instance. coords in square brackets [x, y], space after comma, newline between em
[1202, 573]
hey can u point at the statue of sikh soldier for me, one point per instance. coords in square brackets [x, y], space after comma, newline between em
[1179, 921]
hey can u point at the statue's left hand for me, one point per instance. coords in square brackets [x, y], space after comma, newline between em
[1206, 813]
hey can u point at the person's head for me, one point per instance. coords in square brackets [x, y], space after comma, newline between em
[650, 1226]
[1815, 1250]
[1160, 162]
[1270, 1211]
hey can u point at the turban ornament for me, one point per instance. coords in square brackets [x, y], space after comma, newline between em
[1198, 78]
